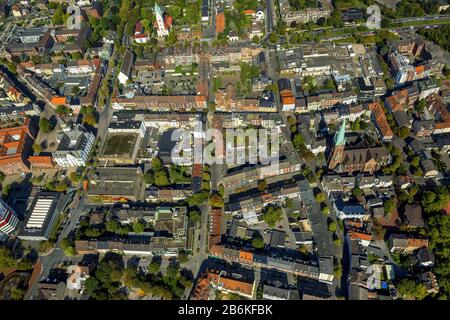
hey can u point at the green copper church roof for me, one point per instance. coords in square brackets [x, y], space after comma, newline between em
[339, 138]
[157, 9]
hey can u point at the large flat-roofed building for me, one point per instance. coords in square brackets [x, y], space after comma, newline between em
[183, 103]
[42, 211]
[171, 232]
[114, 184]
[311, 13]
[15, 147]
[8, 220]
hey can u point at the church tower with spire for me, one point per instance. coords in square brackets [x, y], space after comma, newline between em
[337, 154]
[162, 31]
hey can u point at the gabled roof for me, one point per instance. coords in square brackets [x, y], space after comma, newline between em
[359, 235]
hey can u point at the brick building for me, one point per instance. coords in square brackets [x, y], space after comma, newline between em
[15, 147]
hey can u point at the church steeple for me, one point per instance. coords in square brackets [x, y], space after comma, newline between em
[162, 30]
[157, 9]
[339, 138]
[337, 154]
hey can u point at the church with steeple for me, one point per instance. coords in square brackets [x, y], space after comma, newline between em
[355, 155]
[163, 22]
[337, 155]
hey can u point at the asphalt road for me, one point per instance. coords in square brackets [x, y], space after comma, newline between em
[76, 207]
[424, 18]
[269, 16]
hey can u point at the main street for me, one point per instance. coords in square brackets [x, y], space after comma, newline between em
[269, 16]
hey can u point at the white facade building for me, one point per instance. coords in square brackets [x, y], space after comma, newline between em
[8, 219]
[74, 147]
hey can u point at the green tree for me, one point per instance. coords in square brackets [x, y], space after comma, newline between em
[105, 282]
[338, 270]
[58, 16]
[17, 293]
[90, 119]
[410, 289]
[421, 105]
[221, 190]
[433, 201]
[272, 215]
[332, 227]
[389, 206]
[329, 84]
[68, 247]
[138, 227]
[173, 271]
[161, 178]
[112, 226]
[197, 199]
[75, 177]
[289, 203]
[216, 201]
[75, 90]
[93, 232]
[149, 177]
[403, 132]
[154, 267]
[45, 125]
[182, 257]
[292, 120]
[262, 185]
[62, 111]
[357, 192]
[157, 164]
[37, 148]
[298, 141]
[86, 110]
[273, 38]
[6, 258]
[195, 216]
[320, 197]
[258, 243]
[45, 246]
[129, 276]
[206, 176]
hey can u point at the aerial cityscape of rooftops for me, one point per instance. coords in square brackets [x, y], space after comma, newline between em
[224, 149]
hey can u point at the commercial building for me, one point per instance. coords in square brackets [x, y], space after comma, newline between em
[8, 220]
[183, 103]
[311, 14]
[403, 71]
[15, 147]
[41, 216]
[171, 232]
[74, 145]
[115, 184]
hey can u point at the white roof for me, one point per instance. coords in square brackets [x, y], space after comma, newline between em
[39, 213]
